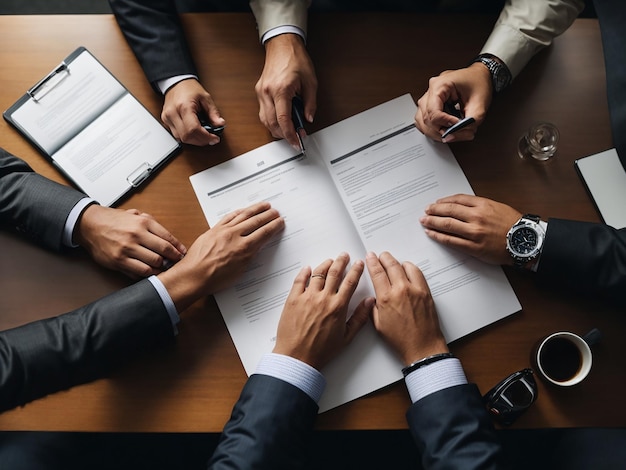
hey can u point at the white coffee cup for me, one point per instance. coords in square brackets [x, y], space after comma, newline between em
[564, 358]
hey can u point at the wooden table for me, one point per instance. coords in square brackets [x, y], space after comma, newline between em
[361, 61]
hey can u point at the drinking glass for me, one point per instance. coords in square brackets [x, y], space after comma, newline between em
[539, 142]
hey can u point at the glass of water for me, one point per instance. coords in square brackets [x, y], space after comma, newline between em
[539, 142]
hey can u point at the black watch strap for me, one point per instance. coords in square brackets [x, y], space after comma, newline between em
[533, 217]
[425, 361]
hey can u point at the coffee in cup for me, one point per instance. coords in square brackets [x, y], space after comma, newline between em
[564, 358]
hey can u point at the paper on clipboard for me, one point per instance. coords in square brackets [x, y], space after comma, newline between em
[92, 129]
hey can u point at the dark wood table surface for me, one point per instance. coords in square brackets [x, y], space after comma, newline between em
[361, 60]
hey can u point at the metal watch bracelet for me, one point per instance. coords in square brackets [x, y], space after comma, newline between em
[425, 361]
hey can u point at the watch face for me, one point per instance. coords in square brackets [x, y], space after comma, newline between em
[524, 241]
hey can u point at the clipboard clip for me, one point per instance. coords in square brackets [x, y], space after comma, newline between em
[48, 82]
[139, 175]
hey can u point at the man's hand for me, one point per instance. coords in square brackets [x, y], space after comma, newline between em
[313, 326]
[473, 225]
[221, 254]
[288, 71]
[183, 102]
[127, 241]
[404, 314]
[471, 87]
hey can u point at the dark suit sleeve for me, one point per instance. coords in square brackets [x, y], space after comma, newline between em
[57, 353]
[452, 430]
[585, 257]
[155, 34]
[269, 428]
[33, 205]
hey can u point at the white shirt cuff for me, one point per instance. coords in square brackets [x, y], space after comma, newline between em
[72, 218]
[288, 29]
[526, 26]
[295, 372]
[434, 377]
[167, 301]
[511, 47]
[168, 83]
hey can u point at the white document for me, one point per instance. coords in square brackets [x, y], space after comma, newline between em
[362, 187]
[605, 179]
[92, 129]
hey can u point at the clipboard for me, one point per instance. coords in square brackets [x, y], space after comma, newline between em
[92, 129]
[604, 178]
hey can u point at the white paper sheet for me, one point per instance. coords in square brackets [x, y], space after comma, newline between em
[114, 149]
[605, 178]
[77, 98]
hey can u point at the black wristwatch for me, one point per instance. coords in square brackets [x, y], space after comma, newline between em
[500, 73]
[525, 239]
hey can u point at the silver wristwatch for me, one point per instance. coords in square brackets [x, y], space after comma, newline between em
[525, 239]
[500, 73]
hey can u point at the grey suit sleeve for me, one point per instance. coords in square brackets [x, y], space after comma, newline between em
[155, 34]
[46, 356]
[452, 429]
[33, 205]
[585, 257]
[270, 426]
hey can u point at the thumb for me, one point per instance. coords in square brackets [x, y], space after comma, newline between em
[359, 318]
[309, 99]
[476, 103]
[212, 112]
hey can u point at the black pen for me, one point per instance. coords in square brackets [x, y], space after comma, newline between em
[204, 122]
[458, 126]
[297, 113]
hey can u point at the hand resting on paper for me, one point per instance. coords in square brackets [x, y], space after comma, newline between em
[474, 225]
[219, 256]
[313, 326]
[404, 314]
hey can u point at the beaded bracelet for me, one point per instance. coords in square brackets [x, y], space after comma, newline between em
[425, 361]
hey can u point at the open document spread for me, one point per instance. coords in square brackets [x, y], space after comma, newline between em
[362, 186]
[92, 129]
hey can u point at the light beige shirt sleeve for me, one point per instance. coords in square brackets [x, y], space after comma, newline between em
[271, 14]
[526, 26]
